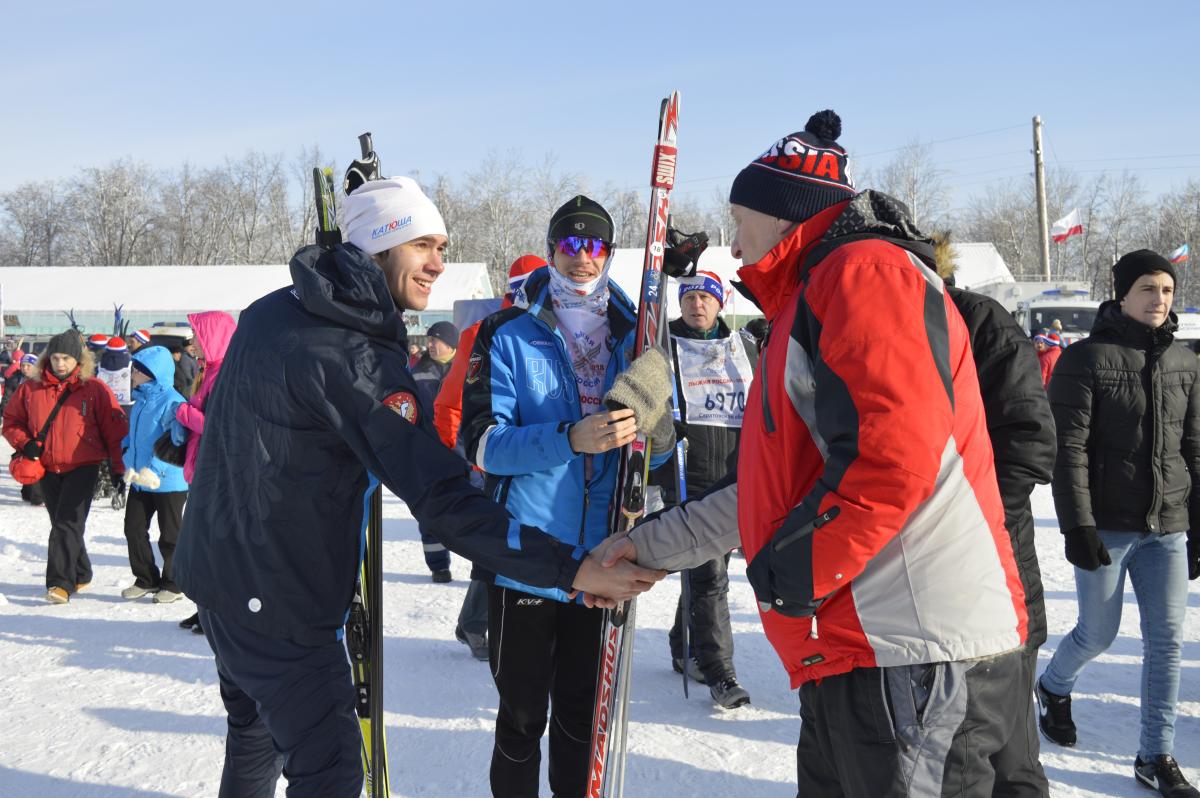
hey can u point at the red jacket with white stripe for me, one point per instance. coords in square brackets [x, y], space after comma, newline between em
[867, 497]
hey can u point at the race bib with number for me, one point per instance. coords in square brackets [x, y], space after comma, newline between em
[119, 382]
[716, 377]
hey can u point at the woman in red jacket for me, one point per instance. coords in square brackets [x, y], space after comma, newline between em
[86, 431]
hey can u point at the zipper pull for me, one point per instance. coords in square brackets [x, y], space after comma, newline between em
[814, 634]
[827, 516]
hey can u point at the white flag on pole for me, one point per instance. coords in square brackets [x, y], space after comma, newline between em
[1064, 228]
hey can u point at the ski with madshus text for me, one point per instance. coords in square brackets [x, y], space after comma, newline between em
[610, 721]
[364, 626]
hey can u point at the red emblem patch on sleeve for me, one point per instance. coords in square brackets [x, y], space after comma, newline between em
[474, 366]
[404, 404]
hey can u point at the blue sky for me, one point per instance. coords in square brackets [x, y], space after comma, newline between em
[441, 84]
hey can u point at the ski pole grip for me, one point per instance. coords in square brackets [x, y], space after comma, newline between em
[364, 142]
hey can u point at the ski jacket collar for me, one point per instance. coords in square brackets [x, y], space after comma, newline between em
[345, 286]
[1111, 324]
[771, 280]
[870, 214]
[50, 378]
[160, 363]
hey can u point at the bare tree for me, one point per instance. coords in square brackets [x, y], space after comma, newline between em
[913, 177]
[254, 186]
[115, 212]
[37, 221]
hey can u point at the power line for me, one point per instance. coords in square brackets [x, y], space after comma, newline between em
[942, 141]
[857, 157]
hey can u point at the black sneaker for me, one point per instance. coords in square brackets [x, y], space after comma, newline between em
[1162, 773]
[190, 621]
[1055, 716]
[693, 668]
[729, 694]
[441, 576]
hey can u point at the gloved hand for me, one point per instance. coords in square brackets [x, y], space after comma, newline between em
[31, 450]
[1085, 549]
[645, 388]
[1193, 553]
[683, 252]
[118, 499]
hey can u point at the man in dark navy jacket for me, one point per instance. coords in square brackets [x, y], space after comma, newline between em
[314, 408]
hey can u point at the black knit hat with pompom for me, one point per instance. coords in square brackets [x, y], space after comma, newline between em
[800, 175]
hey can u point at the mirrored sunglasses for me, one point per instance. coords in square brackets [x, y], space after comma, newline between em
[573, 245]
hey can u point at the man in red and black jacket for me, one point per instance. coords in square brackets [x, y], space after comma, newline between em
[866, 494]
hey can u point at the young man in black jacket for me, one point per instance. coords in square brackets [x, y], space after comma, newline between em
[713, 372]
[314, 408]
[1127, 489]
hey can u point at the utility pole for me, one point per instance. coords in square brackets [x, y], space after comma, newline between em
[1039, 172]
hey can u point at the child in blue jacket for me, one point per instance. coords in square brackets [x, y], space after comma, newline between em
[157, 488]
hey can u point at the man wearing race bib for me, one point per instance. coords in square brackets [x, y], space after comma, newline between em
[713, 369]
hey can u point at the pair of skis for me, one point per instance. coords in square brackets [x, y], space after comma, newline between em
[364, 627]
[610, 720]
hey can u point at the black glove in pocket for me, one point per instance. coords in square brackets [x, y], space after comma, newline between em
[781, 572]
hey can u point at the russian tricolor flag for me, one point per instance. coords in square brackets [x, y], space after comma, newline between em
[1064, 228]
[1179, 255]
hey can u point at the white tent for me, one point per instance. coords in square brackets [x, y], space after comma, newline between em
[979, 265]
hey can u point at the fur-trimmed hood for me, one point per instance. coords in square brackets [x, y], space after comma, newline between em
[87, 366]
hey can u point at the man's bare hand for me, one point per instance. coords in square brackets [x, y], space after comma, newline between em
[600, 432]
[609, 586]
[614, 549]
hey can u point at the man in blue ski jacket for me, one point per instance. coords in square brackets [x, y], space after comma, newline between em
[538, 419]
[314, 407]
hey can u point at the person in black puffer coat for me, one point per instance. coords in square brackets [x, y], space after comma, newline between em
[720, 364]
[1021, 430]
[1126, 488]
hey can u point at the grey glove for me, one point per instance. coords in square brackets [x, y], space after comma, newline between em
[645, 388]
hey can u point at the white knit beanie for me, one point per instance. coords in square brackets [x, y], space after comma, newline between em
[381, 214]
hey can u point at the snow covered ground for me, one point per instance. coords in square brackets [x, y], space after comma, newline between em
[104, 698]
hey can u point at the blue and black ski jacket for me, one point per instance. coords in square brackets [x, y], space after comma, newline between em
[315, 398]
[519, 400]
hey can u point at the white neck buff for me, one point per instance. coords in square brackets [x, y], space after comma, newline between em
[582, 313]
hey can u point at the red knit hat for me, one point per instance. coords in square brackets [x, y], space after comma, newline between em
[115, 344]
[518, 271]
[524, 265]
[142, 336]
[98, 341]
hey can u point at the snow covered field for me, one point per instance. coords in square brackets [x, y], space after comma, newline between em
[104, 698]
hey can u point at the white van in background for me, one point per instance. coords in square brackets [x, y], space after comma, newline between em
[1066, 306]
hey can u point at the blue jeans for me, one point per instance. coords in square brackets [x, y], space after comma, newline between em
[1157, 567]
